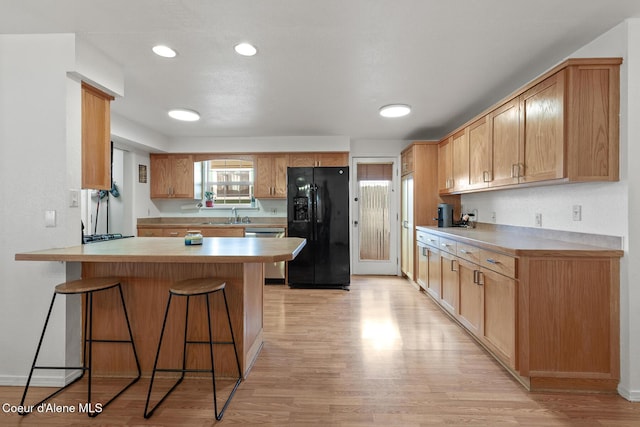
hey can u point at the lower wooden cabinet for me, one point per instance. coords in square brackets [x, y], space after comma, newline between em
[226, 231]
[551, 317]
[470, 308]
[450, 282]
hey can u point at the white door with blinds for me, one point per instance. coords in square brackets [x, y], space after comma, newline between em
[375, 216]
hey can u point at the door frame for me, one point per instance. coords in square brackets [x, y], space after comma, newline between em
[358, 268]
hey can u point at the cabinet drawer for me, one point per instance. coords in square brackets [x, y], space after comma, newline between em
[448, 245]
[468, 252]
[175, 232]
[500, 263]
[427, 239]
[150, 232]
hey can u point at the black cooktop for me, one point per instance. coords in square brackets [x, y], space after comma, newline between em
[93, 238]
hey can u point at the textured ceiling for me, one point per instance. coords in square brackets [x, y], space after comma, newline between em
[323, 67]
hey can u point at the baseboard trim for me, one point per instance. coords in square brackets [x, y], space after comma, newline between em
[630, 395]
[39, 380]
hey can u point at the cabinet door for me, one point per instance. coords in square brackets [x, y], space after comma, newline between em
[445, 166]
[407, 232]
[460, 159]
[505, 143]
[301, 160]
[271, 176]
[542, 109]
[174, 232]
[160, 176]
[407, 161]
[422, 266]
[182, 176]
[499, 331]
[479, 154]
[150, 232]
[280, 163]
[434, 285]
[223, 232]
[263, 177]
[332, 159]
[96, 138]
[471, 297]
[450, 282]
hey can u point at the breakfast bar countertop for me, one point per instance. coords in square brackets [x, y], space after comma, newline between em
[173, 250]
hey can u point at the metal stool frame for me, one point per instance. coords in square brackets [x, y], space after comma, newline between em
[219, 415]
[88, 323]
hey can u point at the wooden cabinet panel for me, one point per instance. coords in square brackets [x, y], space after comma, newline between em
[460, 159]
[445, 166]
[407, 230]
[450, 282]
[406, 160]
[470, 308]
[150, 232]
[314, 159]
[171, 176]
[505, 143]
[499, 323]
[542, 137]
[223, 232]
[271, 176]
[96, 138]
[422, 265]
[434, 285]
[479, 154]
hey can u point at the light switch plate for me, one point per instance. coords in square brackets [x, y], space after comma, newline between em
[49, 218]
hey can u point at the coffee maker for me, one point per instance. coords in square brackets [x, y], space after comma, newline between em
[445, 215]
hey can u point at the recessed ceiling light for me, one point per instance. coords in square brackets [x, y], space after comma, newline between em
[164, 51]
[245, 49]
[184, 115]
[395, 110]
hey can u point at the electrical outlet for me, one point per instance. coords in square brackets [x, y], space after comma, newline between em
[577, 212]
[538, 220]
[49, 218]
[493, 217]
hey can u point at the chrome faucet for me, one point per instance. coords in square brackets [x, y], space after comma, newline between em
[234, 215]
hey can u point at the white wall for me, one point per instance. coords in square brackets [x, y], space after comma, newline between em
[606, 207]
[36, 169]
[40, 134]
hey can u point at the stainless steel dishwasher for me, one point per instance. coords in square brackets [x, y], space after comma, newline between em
[273, 271]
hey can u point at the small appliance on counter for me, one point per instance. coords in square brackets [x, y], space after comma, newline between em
[445, 215]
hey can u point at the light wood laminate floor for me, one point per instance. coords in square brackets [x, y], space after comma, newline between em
[381, 354]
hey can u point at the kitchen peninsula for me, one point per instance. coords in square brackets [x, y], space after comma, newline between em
[147, 267]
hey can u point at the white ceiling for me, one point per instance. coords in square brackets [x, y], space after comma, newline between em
[324, 67]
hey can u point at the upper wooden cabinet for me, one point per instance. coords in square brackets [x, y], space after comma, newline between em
[445, 166]
[479, 154]
[271, 176]
[318, 159]
[171, 176]
[460, 158]
[96, 138]
[562, 127]
[406, 160]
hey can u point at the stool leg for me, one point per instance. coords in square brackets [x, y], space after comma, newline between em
[213, 369]
[35, 359]
[233, 341]
[133, 346]
[148, 413]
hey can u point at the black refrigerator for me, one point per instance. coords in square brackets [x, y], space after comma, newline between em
[318, 210]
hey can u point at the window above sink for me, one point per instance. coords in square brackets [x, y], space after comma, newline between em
[230, 180]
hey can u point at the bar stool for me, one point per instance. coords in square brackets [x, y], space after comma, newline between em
[192, 288]
[87, 287]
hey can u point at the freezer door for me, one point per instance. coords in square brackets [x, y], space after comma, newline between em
[332, 226]
[300, 223]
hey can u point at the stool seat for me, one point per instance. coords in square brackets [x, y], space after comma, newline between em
[87, 285]
[199, 286]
